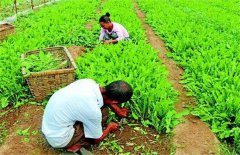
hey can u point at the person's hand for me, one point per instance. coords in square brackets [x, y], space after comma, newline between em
[102, 41]
[124, 112]
[113, 126]
[107, 41]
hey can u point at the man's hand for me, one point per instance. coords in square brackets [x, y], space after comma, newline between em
[124, 112]
[113, 126]
[121, 112]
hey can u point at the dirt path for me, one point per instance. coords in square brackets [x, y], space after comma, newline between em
[27, 116]
[192, 137]
[89, 25]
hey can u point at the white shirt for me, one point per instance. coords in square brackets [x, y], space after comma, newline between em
[79, 101]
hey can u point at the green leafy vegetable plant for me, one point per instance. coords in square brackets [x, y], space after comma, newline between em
[206, 44]
[43, 61]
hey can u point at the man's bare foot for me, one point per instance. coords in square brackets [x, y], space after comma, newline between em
[74, 148]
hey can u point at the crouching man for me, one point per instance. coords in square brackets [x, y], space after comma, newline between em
[75, 114]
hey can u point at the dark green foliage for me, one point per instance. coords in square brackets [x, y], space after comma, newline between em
[206, 43]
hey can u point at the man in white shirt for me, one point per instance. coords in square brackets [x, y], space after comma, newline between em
[73, 116]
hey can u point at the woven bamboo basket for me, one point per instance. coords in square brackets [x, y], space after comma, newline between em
[44, 83]
[5, 30]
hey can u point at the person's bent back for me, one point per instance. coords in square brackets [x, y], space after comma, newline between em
[77, 110]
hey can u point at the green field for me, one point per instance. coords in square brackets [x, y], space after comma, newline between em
[202, 37]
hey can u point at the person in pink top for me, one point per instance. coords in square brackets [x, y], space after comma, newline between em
[111, 32]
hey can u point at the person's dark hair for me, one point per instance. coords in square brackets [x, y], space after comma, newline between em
[105, 18]
[119, 90]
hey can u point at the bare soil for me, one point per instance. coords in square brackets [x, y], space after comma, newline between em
[27, 116]
[192, 137]
[76, 51]
[134, 139]
[5, 30]
[4, 27]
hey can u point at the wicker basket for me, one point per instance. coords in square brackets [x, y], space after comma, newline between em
[44, 83]
[5, 30]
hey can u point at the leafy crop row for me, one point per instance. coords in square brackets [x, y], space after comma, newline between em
[60, 24]
[205, 12]
[136, 62]
[206, 44]
[232, 6]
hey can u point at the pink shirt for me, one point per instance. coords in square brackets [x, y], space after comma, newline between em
[118, 28]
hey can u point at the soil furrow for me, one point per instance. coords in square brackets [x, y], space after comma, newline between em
[89, 25]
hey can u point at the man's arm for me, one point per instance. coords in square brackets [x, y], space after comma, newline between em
[112, 127]
[121, 112]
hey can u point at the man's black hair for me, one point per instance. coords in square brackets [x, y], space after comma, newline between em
[105, 18]
[119, 90]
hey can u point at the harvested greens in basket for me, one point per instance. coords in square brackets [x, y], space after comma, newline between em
[43, 61]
